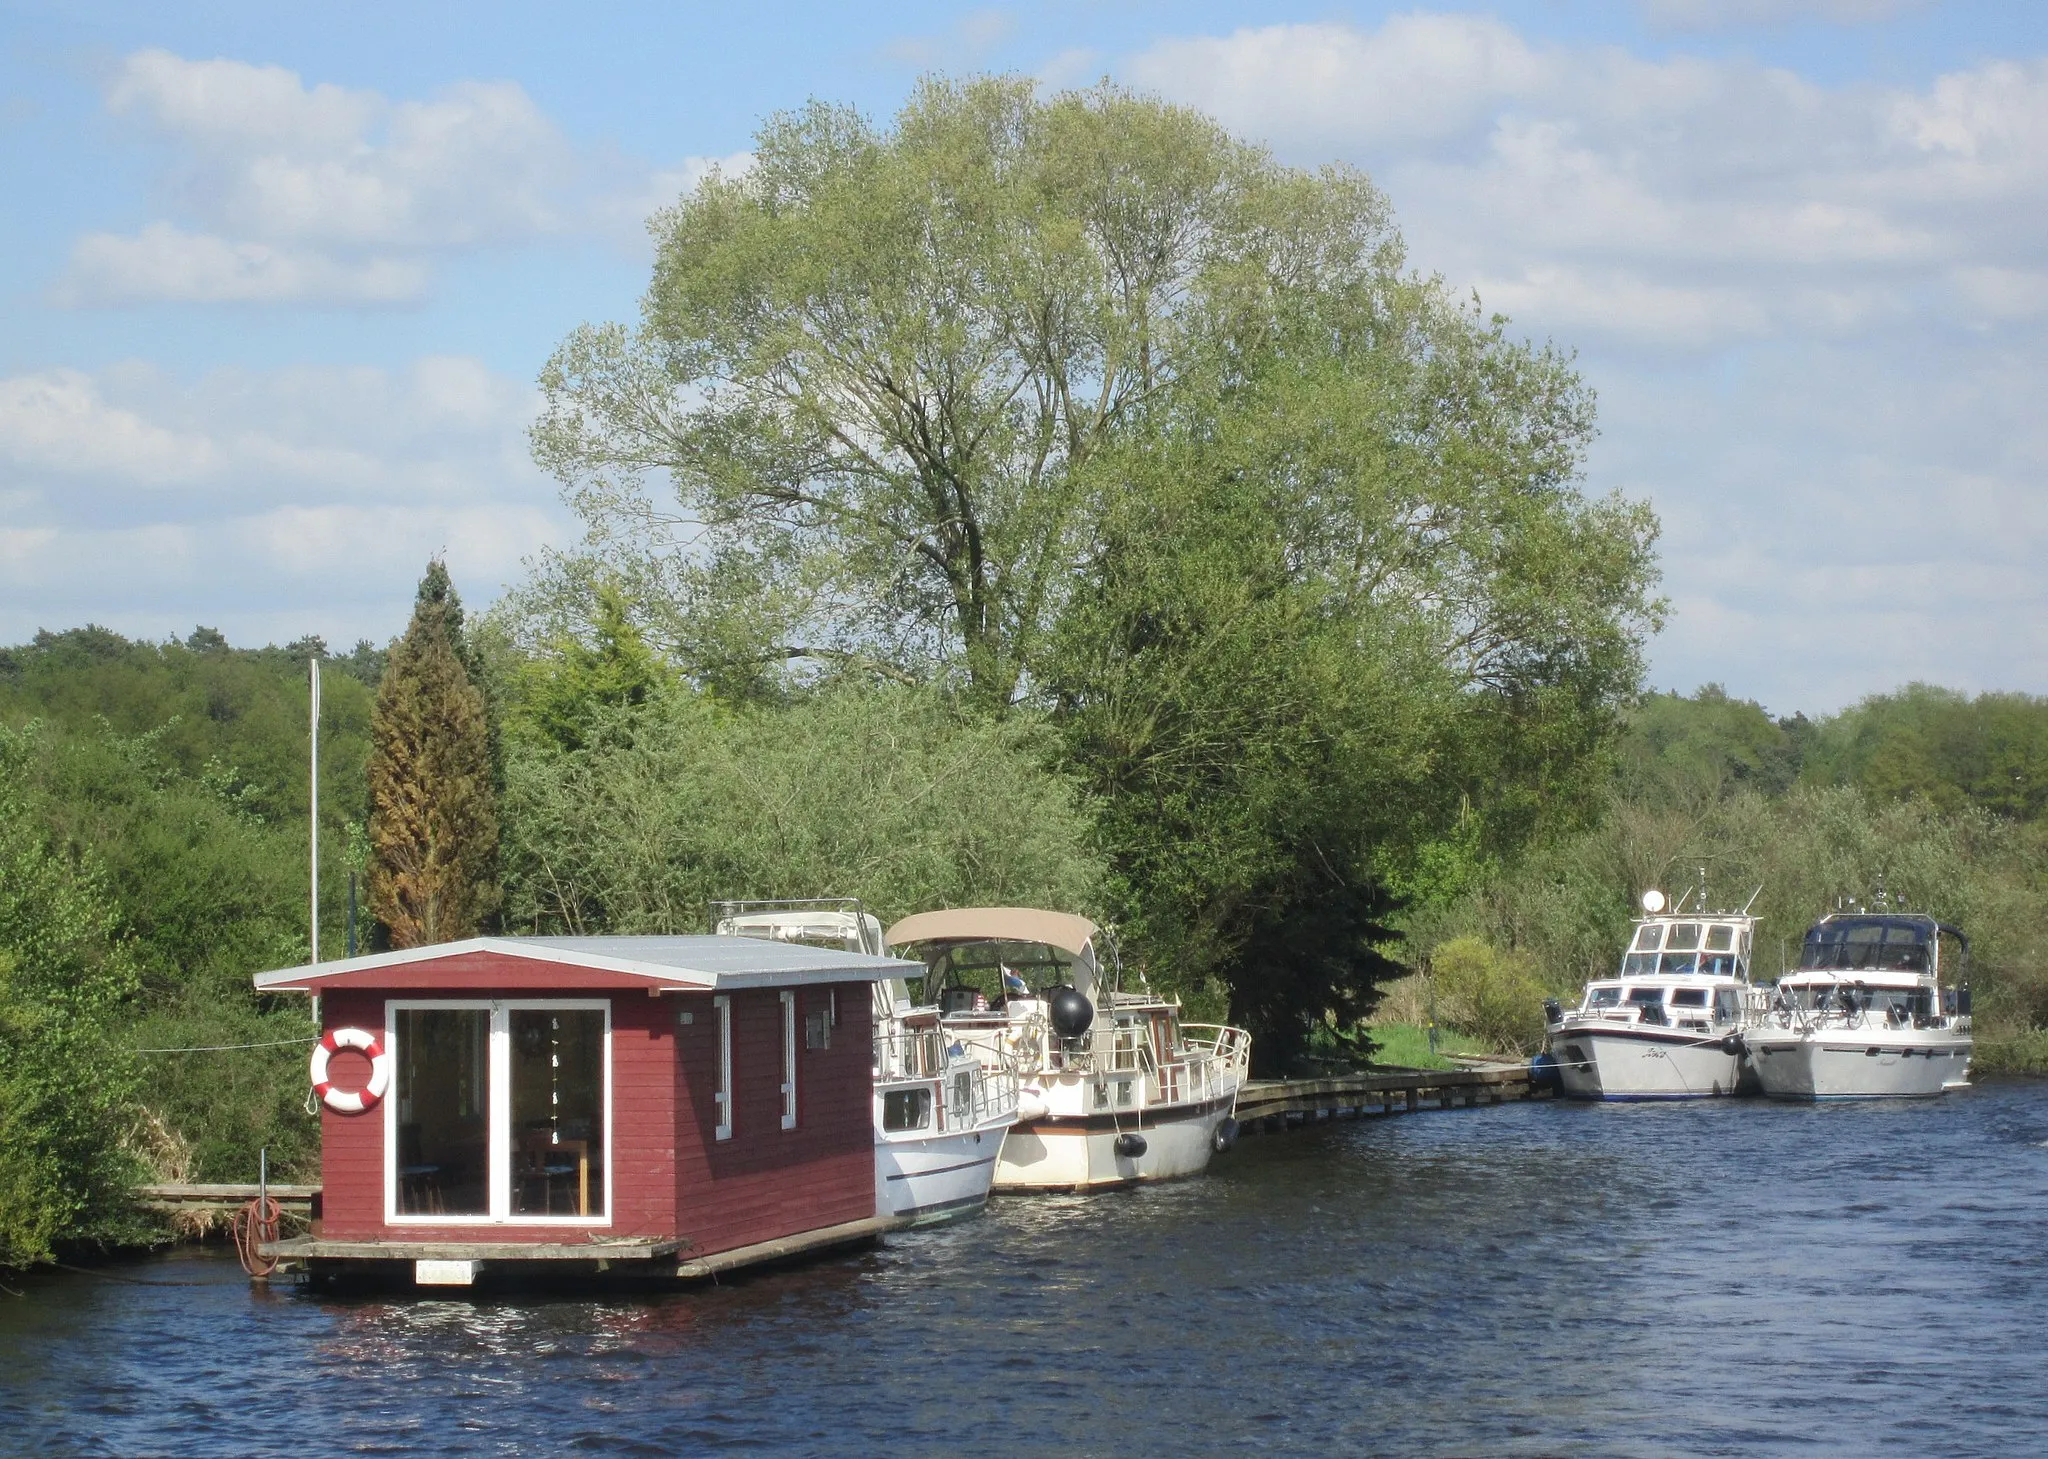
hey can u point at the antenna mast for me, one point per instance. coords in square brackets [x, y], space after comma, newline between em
[313, 781]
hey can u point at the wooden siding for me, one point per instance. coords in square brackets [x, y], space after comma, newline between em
[671, 1178]
[643, 1117]
[767, 1182]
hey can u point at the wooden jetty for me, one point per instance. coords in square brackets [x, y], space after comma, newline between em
[1267, 1105]
[222, 1199]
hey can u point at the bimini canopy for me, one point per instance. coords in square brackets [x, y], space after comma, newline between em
[1062, 930]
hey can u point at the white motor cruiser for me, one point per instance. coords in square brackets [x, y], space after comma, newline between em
[941, 1114]
[1116, 1089]
[1865, 1016]
[1670, 1026]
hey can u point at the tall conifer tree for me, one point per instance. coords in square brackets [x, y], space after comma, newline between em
[433, 808]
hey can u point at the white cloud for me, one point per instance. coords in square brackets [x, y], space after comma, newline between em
[298, 500]
[326, 194]
[1808, 310]
[164, 263]
[60, 422]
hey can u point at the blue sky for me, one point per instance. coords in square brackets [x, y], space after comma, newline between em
[275, 284]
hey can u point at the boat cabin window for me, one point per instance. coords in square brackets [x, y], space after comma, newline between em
[1727, 1005]
[1685, 936]
[906, 1109]
[1603, 997]
[1852, 944]
[1721, 938]
[957, 974]
[1648, 937]
[1638, 997]
[1689, 997]
[1679, 962]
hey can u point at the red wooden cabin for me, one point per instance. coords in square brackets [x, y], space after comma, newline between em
[656, 1104]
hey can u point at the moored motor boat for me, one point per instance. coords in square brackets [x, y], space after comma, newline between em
[1670, 1025]
[1865, 1015]
[1115, 1088]
[941, 1115]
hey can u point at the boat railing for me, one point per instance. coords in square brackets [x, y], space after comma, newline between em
[970, 1091]
[1229, 1048]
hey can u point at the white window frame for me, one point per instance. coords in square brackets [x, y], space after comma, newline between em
[498, 1126]
[788, 1059]
[722, 1097]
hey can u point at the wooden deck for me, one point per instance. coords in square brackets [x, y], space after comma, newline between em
[1266, 1105]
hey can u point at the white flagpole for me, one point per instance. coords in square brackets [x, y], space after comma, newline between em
[313, 941]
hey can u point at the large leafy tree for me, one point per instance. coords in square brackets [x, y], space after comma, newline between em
[875, 368]
[1081, 402]
[433, 811]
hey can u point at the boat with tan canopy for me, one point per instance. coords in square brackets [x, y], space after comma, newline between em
[1116, 1089]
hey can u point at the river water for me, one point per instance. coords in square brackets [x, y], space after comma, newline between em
[1717, 1278]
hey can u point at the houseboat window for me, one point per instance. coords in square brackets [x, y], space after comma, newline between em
[818, 1029]
[722, 1096]
[1646, 937]
[1721, 939]
[788, 1061]
[1684, 936]
[1688, 997]
[557, 1111]
[906, 1109]
[1640, 996]
[444, 1102]
[1603, 998]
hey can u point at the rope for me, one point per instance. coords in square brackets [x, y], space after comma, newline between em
[225, 1048]
[253, 1225]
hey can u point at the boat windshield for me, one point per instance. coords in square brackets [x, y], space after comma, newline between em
[1684, 947]
[1858, 943]
[1844, 998]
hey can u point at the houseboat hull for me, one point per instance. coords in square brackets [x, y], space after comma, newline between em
[924, 1179]
[1638, 1063]
[1859, 1063]
[1077, 1152]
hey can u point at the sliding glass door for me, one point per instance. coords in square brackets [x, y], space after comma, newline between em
[501, 1112]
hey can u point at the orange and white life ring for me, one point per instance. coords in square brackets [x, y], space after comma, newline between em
[350, 1101]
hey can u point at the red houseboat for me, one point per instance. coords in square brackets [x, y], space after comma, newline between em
[674, 1106]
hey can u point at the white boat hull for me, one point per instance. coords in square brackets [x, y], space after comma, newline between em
[920, 1179]
[1858, 1063]
[1632, 1062]
[1072, 1153]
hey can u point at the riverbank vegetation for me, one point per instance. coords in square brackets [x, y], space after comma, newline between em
[1036, 500]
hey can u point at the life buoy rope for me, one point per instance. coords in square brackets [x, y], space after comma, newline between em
[350, 1101]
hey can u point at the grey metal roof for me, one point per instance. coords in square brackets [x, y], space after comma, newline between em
[696, 962]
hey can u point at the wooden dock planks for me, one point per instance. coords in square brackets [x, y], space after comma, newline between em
[1274, 1104]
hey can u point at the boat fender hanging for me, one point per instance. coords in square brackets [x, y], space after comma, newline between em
[350, 1101]
[1732, 1044]
[1130, 1146]
[1225, 1136]
[1071, 1011]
